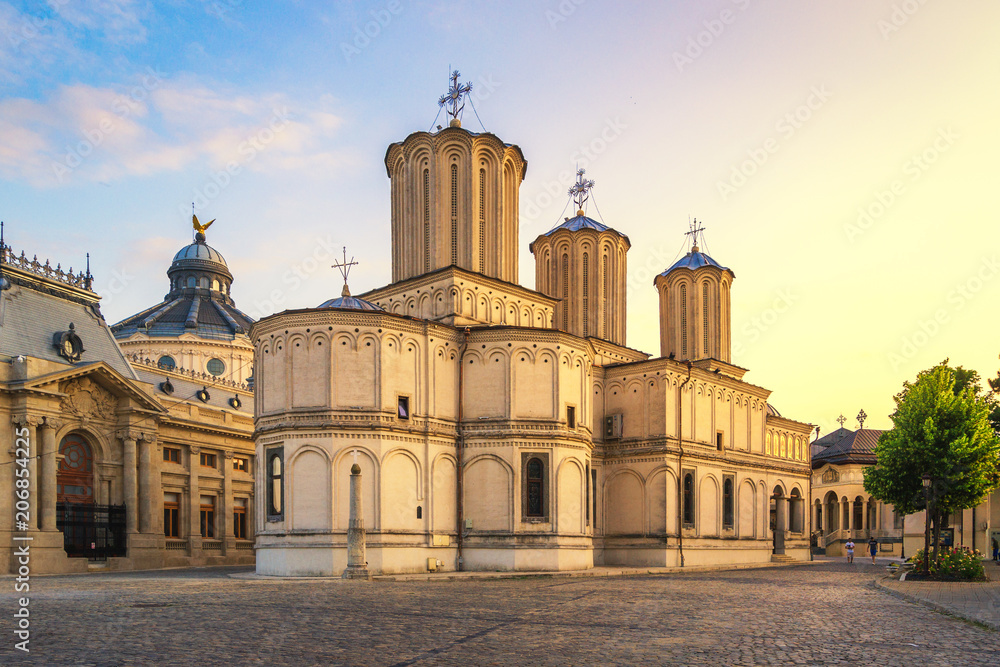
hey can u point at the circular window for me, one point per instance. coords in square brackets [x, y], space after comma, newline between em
[216, 367]
[166, 362]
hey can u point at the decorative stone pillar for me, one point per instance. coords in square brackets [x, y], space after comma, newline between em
[194, 503]
[147, 484]
[357, 568]
[47, 490]
[31, 423]
[130, 486]
[226, 525]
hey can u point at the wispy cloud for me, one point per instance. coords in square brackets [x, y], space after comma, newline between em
[119, 21]
[105, 134]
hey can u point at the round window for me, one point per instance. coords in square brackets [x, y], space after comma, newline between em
[216, 367]
[166, 362]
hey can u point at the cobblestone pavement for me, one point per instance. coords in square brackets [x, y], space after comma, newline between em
[812, 614]
[979, 601]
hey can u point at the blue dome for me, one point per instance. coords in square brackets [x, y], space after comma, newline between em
[694, 260]
[581, 222]
[350, 303]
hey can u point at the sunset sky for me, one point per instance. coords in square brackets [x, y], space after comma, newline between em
[840, 155]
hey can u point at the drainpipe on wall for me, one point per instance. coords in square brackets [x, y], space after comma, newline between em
[680, 468]
[460, 451]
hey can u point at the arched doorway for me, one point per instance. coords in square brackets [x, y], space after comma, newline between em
[778, 502]
[832, 513]
[89, 530]
[75, 477]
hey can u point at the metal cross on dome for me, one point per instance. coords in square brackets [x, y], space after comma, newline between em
[862, 417]
[580, 192]
[694, 231]
[455, 95]
[345, 270]
[841, 419]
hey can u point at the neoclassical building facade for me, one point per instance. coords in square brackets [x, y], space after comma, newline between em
[126, 464]
[504, 428]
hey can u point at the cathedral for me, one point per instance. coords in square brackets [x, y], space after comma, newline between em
[499, 427]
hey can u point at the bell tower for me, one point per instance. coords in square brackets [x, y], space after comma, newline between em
[695, 319]
[454, 198]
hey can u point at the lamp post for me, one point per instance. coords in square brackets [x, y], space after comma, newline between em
[926, 480]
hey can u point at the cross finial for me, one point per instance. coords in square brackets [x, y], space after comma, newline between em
[841, 419]
[345, 270]
[580, 192]
[455, 98]
[862, 417]
[695, 229]
[355, 456]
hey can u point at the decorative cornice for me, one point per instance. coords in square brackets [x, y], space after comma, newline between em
[25, 420]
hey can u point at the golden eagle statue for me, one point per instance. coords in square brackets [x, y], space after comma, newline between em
[198, 227]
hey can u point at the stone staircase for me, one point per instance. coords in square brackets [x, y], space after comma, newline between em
[782, 558]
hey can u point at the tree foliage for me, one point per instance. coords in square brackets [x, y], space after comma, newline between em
[941, 427]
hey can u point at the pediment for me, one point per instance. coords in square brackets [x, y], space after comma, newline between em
[91, 389]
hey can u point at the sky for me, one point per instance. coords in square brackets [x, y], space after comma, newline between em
[841, 156]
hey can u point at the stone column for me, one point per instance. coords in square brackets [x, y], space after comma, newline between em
[194, 503]
[130, 488]
[47, 490]
[30, 423]
[147, 485]
[357, 567]
[226, 525]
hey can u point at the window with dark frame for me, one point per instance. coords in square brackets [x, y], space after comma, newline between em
[171, 514]
[403, 407]
[275, 484]
[208, 460]
[240, 518]
[171, 455]
[728, 503]
[688, 500]
[570, 416]
[535, 474]
[207, 516]
[719, 441]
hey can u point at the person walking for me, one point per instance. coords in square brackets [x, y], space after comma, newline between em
[996, 549]
[872, 548]
[850, 550]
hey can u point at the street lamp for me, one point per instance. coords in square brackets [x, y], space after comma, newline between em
[926, 480]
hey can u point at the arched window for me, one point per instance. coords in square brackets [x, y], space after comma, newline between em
[768, 445]
[482, 221]
[704, 317]
[215, 285]
[191, 281]
[795, 514]
[684, 320]
[689, 500]
[454, 213]
[536, 479]
[166, 362]
[204, 282]
[604, 295]
[859, 514]
[586, 294]
[427, 220]
[565, 292]
[728, 504]
[275, 484]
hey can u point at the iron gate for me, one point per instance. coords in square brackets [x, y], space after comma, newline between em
[92, 531]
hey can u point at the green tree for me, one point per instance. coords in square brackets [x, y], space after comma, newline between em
[941, 427]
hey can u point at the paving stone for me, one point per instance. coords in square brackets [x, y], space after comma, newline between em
[811, 614]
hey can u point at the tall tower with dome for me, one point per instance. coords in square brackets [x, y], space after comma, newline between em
[197, 328]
